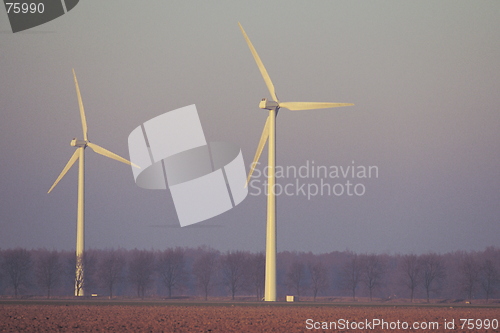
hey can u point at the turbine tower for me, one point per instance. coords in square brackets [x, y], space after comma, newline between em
[80, 218]
[269, 132]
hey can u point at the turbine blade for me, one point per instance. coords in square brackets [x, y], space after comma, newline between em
[311, 105]
[107, 153]
[260, 147]
[262, 69]
[80, 105]
[70, 163]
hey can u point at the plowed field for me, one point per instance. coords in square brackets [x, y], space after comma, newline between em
[147, 317]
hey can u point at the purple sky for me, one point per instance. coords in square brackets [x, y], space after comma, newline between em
[424, 77]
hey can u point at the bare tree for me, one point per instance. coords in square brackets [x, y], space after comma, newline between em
[141, 269]
[295, 277]
[171, 268]
[1, 273]
[469, 270]
[410, 268]
[110, 269]
[233, 266]
[204, 269]
[489, 278]
[82, 278]
[373, 272]
[48, 270]
[433, 271]
[256, 276]
[79, 274]
[319, 277]
[352, 273]
[17, 267]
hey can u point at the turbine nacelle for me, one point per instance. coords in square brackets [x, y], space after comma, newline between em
[268, 105]
[78, 143]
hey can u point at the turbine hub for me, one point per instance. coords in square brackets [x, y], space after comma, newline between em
[268, 105]
[78, 143]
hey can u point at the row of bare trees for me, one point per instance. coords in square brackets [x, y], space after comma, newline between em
[176, 272]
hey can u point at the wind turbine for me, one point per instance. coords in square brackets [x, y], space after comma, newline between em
[269, 132]
[80, 219]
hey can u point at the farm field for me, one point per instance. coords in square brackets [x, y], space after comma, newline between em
[151, 316]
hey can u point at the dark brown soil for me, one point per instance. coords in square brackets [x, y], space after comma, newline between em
[230, 318]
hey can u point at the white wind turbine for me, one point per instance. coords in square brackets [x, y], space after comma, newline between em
[270, 132]
[80, 220]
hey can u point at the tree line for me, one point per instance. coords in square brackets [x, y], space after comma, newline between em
[205, 272]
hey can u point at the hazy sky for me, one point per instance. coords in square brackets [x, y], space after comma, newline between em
[424, 77]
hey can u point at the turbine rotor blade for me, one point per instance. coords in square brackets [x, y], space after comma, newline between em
[262, 69]
[294, 106]
[70, 163]
[80, 105]
[260, 147]
[107, 153]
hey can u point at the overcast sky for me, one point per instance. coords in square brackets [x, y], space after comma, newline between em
[424, 77]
